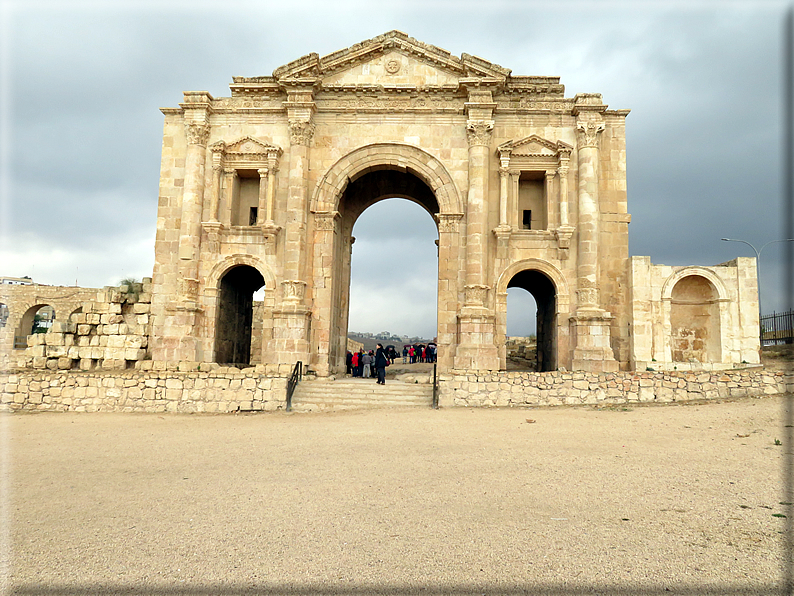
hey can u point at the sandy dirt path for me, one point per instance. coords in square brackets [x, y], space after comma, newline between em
[638, 500]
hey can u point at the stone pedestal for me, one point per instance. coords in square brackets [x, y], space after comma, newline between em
[591, 336]
[290, 335]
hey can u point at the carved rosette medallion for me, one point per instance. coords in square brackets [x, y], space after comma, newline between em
[301, 133]
[475, 295]
[587, 133]
[449, 222]
[294, 290]
[197, 134]
[478, 132]
[325, 220]
[393, 66]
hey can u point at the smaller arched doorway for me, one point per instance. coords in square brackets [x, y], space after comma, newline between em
[37, 319]
[545, 295]
[233, 323]
[695, 321]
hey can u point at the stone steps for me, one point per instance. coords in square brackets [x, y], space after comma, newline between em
[349, 394]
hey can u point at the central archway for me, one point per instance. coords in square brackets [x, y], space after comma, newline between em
[355, 182]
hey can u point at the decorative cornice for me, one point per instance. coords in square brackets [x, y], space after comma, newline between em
[448, 222]
[325, 220]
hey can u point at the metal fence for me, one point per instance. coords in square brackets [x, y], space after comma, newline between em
[777, 328]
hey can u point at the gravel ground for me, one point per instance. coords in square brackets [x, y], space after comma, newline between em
[680, 499]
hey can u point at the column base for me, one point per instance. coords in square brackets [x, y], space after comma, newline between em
[476, 350]
[590, 331]
[290, 341]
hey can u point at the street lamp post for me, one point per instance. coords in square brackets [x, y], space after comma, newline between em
[758, 275]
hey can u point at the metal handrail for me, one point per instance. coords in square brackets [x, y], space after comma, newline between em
[435, 387]
[295, 377]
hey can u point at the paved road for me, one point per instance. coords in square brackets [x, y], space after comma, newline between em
[581, 501]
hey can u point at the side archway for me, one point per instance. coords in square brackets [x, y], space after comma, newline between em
[549, 288]
[235, 337]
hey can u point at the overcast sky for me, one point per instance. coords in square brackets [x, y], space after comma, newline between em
[82, 82]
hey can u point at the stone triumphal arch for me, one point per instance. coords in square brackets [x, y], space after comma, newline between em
[259, 192]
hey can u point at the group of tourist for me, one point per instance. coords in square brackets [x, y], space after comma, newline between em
[362, 364]
[419, 353]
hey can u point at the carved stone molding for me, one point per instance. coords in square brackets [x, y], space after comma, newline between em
[478, 132]
[188, 289]
[587, 133]
[197, 134]
[294, 290]
[587, 297]
[325, 220]
[449, 222]
[476, 295]
[301, 133]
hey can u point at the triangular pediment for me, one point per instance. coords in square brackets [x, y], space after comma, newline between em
[393, 58]
[246, 145]
[535, 146]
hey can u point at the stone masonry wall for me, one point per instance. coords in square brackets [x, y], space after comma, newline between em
[222, 390]
[574, 388]
[228, 389]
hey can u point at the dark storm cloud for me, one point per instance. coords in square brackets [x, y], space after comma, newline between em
[86, 81]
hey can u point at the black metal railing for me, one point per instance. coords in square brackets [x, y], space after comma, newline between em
[294, 379]
[777, 328]
[435, 386]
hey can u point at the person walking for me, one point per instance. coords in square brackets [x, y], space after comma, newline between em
[356, 369]
[405, 354]
[381, 362]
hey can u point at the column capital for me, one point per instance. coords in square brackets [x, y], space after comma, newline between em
[587, 132]
[301, 132]
[230, 172]
[263, 172]
[504, 172]
[550, 174]
[478, 132]
[197, 134]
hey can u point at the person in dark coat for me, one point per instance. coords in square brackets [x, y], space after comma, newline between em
[349, 362]
[381, 362]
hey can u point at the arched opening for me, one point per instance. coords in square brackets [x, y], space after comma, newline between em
[521, 333]
[695, 320]
[37, 319]
[395, 285]
[233, 326]
[74, 313]
[543, 291]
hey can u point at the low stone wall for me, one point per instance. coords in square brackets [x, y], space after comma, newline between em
[572, 388]
[222, 390]
[227, 389]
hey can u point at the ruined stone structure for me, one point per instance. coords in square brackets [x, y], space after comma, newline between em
[527, 186]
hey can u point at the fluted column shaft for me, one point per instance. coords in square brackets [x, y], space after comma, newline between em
[192, 202]
[587, 266]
